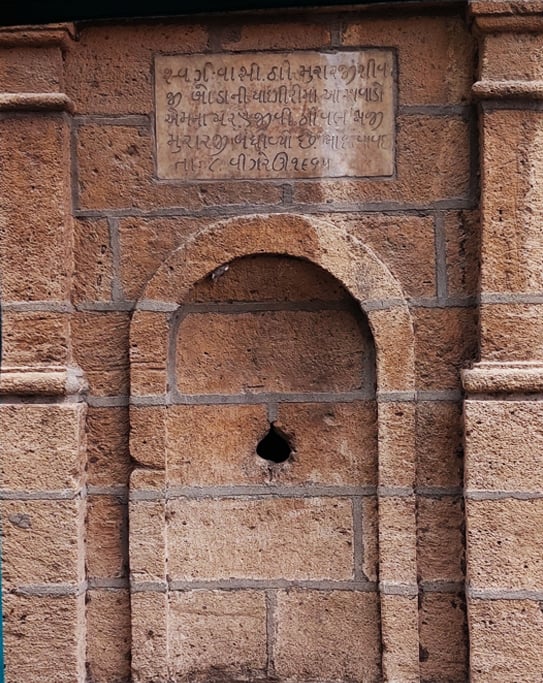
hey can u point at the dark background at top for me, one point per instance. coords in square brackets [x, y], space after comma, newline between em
[14, 12]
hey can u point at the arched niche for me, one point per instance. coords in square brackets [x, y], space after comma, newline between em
[164, 325]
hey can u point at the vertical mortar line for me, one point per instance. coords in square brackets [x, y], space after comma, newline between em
[115, 245]
[271, 630]
[74, 171]
[336, 36]
[272, 411]
[358, 547]
[288, 194]
[440, 244]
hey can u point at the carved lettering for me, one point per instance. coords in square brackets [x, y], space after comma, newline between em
[264, 115]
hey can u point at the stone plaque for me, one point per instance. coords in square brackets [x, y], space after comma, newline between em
[275, 115]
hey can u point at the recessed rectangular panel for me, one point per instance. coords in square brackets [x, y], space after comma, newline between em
[275, 115]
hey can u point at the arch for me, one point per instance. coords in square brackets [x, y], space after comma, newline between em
[381, 298]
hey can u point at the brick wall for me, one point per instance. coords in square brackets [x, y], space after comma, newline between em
[344, 317]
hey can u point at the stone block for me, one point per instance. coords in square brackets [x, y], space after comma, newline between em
[108, 636]
[443, 638]
[397, 540]
[35, 338]
[504, 548]
[149, 637]
[292, 35]
[503, 442]
[149, 337]
[370, 538]
[446, 342]
[148, 436]
[439, 441]
[34, 237]
[282, 538]
[100, 342]
[399, 628]
[511, 332]
[511, 56]
[432, 163]
[42, 542]
[93, 274]
[436, 54]
[34, 627]
[506, 639]
[397, 457]
[110, 71]
[440, 544]
[107, 537]
[272, 351]
[41, 447]
[30, 69]
[205, 625]
[462, 249]
[147, 541]
[108, 456]
[325, 635]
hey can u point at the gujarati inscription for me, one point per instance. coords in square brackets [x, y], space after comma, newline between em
[275, 115]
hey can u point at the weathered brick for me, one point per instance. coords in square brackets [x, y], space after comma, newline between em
[334, 443]
[34, 627]
[462, 238]
[30, 69]
[512, 245]
[270, 278]
[100, 343]
[204, 625]
[93, 274]
[215, 445]
[41, 446]
[35, 338]
[370, 540]
[446, 342]
[319, 635]
[148, 352]
[440, 532]
[110, 72]
[511, 56]
[439, 443]
[397, 457]
[107, 537]
[435, 54]
[506, 640]
[116, 170]
[443, 638]
[145, 243]
[304, 538]
[503, 550]
[503, 442]
[108, 636]
[433, 163]
[147, 539]
[400, 653]
[397, 539]
[149, 652]
[275, 351]
[395, 362]
[108, 457]
[148, 437]
[404, 243]
[511, 332]
[42, 542]
[34, 237]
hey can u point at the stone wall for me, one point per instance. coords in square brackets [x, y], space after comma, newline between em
[155, 330]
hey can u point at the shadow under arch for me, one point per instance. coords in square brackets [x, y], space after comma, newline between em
[381, 298]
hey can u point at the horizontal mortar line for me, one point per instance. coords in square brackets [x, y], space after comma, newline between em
[61, 494]
[38, 306]
[107, 401]
[442, 302]
[117, 491]
[525, 104]
[435, 109]
[511, 298]
[442, 586]
[383, 304]
[395, 491]
[113, 120]
[114, 583]
[480, 495]
[45, 589]
[394, 588]
[273, 584]
[219, 212]
[439, 491]
[510, 395]
[396, 396]
[440, 395]
[104, 306]
[254, 492]
[251, 398]
[504, 594]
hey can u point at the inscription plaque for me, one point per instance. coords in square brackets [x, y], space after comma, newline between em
[275, 115]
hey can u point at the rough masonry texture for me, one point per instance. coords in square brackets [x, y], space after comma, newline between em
[321, 229]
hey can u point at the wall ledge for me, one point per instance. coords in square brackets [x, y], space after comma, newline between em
[42, 381]
[31, 101]
[504, 378]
